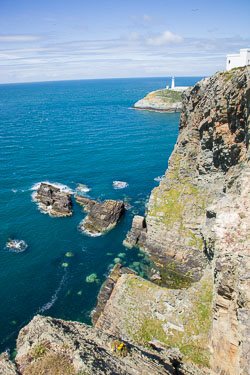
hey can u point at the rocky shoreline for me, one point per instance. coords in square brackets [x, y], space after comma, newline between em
[196, 228]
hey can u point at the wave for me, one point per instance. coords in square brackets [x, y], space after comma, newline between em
[81, 188]
[62, 187]
[85, 231]
[53, 299]
[16, 246]
[119, 185]
[159, 178]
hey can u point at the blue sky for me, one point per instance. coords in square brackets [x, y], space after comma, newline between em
[44, 40]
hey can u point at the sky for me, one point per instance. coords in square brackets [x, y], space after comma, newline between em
[49, 40]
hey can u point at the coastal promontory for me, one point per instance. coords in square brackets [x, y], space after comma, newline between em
[164, 100]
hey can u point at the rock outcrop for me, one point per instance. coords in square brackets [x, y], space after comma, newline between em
[161, 100]
[141, 312]
[135, 235]
[54, 201]
[7, 367]
[102, 216]
[56, 347]
[107, 289]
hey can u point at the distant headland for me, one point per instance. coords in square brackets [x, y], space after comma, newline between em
[165, 100]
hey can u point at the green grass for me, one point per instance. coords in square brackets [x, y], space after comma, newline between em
[168, 95]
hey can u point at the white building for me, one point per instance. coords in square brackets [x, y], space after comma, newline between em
[238, 60]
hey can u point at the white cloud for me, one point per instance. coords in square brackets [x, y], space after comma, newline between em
[18, 38]
[165, 38]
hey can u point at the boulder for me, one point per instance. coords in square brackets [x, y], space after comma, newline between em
[53, 200]
[102, 216]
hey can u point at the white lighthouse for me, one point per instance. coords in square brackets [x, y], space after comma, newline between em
[173, 83]
[176, 88]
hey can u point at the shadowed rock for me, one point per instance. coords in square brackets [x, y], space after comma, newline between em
[53, 200]
[102, 216]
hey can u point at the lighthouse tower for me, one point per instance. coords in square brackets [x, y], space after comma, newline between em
[173, 83]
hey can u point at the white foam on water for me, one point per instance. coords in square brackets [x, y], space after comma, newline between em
[53, 299]
[62, 187]
[82, 188]
[16, 246]
[85, 231]
[119, 185]
[159, 178]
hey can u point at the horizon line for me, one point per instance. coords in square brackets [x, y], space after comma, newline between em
[98, 79]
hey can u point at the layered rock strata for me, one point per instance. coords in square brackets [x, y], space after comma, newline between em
[57, 347]
[211, 149]
[141, 312]
[102, 216]
[161, 100]
[107, 289]
[197, 225]
[54, 201]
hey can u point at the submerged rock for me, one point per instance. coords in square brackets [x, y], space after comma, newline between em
[53, 200]
[102, 216]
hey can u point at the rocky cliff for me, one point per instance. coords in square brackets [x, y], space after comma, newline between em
[210, 154]
[197, 228]
[49, 346]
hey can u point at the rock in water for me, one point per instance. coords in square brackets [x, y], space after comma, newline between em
[136, 232]
[87, 203]
[53, 200]
[102, 216]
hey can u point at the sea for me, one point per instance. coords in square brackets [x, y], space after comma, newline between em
[83, 135]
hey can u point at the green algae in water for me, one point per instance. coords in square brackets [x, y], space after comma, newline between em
[92, 278]
[121, 255]
[69, 254]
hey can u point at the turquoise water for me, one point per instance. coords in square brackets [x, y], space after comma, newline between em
[72, 132]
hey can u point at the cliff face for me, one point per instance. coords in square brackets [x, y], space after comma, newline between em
[198, 223]
[210, 153]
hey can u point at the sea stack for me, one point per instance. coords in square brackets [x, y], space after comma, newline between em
[102, 216]
[54, 201]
